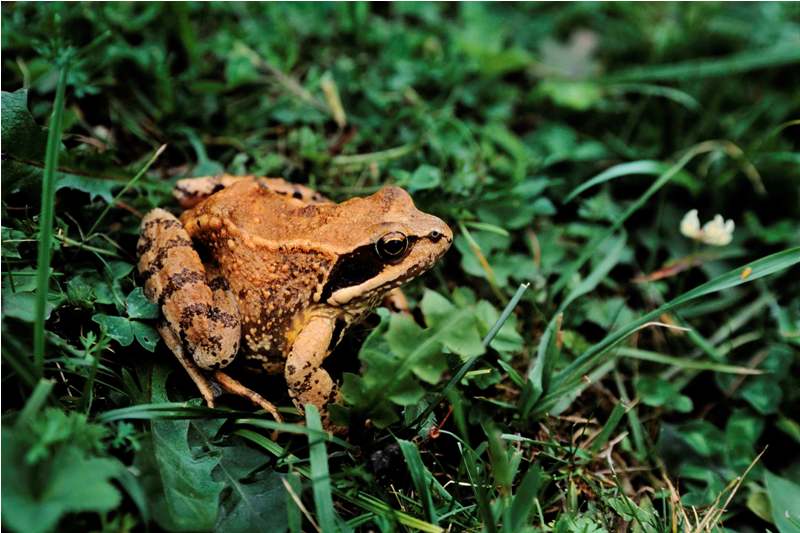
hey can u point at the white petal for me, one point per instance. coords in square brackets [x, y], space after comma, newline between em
[690, 225]
[718, 232]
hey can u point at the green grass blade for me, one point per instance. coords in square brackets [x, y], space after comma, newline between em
[17, 356]
[46, 218]
[571, 375]
[320, 475]
[611, 424]
[127, 186]
[502, 469]
[294, 515]
[632, 168]
[159, 411]
[775, 56]
[670, 93]
[296, 429]
[540, 374]
[180, 410]
[479, 487]
[634, 423]
[525, 497]
[420, 476]
[687, 364]
[88, 386]
[35, 402]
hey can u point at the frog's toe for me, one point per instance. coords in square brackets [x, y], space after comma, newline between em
[216, 390]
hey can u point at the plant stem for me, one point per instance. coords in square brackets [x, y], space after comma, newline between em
[46, 218]
[126, 187]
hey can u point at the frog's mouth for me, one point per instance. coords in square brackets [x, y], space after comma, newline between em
[362, 275]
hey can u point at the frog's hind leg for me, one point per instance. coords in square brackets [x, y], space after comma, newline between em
[201, 316]
[234, 387]
[191, 191]
[204, 385]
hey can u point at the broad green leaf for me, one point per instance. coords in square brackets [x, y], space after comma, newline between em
[182, 490]
[517, 207]
[763, 393]
[74, 484]
[741, 435]
[138, 306]
[94, 187]
[464, 340]
[577, 95]
[784, 498]
[10, 249]
[703, 437]
[54, 464]
[117, 327]
[21, 136]
[119, 269]
[146, 335]
[255, 498]
[508, 339]
[424, 177]
[630, 512]
[22, 305]
[398, 353]
[658, 392]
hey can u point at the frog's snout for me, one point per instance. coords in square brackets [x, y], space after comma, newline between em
[440, 235]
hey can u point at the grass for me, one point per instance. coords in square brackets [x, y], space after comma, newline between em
[46, 218]
[574, 363]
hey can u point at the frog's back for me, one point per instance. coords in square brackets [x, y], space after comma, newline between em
[253, 234]
[252, 208]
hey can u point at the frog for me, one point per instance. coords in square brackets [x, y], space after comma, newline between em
[273, 274]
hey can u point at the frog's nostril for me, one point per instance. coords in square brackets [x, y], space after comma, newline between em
[435, 236]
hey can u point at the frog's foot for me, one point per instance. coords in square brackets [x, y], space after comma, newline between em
[234, 387]
[396, 301]
[339, 431]
[204, 385]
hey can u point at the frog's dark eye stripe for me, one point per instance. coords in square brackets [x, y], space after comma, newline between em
[360, 265]
[353, 269]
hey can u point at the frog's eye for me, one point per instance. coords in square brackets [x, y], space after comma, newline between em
[392, 246]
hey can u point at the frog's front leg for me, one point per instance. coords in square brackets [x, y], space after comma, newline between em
[308, 382]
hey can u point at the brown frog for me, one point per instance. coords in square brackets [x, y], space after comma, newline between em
[275, 273]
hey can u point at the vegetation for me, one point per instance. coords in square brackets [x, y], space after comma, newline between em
[586, 358]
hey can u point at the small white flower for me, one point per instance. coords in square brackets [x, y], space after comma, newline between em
[717, 232]
[690, 225]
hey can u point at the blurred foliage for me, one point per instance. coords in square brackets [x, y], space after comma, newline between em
[493, 116]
